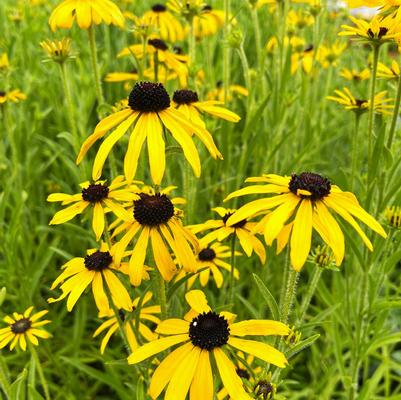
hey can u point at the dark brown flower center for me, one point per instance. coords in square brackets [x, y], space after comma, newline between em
[264, 389]
[158, 44]
[360, 103]
[239, 224]
[98, 260]
[207, 254]
[243, 373]
[209, 330]
[95, 192]
[382, 32]
[185, 96]
[159, 8]
[2, 93]
[149, 97]
[21, 326]
[207, 7]
[177, 50]
[152, 210]
[315, 184]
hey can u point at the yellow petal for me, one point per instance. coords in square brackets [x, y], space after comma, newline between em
[197, 300]
[259, 327]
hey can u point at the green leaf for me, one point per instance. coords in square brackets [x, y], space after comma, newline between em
[302, 345]
[270, 301]
[18, 389]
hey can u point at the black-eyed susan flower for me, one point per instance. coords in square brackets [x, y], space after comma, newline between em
[86, 13]
[204, 334]
[360, 106]
[57, 50]
[23, 328]
[307, 200]
[352, 74]
[155, 221]
[168, 26]
[98, 195]
[379, 30]
[298, 20]
[328, 54]
[234, 91]
[242, 230]
[392, 72]
[210, 261]
[149, 111]
[393, 216]
[146, 313]
[12, 96]
[303, 59]
[188, 103]
[98, 268]
[323, 257]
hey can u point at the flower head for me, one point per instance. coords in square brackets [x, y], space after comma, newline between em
[393, 216]
[392, 72]
[203, 334]
[355, 75]
[4, 63]
[86, 13]
[22, 328]
[57, 50]
[234, 91]
[97, 268]
[302, 203]
[146, 313]
[99, 196]
[12, 96]
[149, 111]
[328, 55]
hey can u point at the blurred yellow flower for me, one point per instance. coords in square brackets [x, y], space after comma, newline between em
[328, 55]
[355, 75]
[390, 73]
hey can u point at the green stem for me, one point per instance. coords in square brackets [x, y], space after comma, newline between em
[245, 68]
[161, 288]
[226, 49]
[354, 160]
[4, 379]
[289, 297]
[376, 49]
[70, 107]
[40, 371]
[317, 272]
[156, 65]
[395, 115]
[232, 280]
[95, 65]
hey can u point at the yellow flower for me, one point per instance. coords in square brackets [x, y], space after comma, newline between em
[393, 216]
[4, 63]
[209, 21]
[308, 198]
[13, 96]
[188, 103]
[100, 196]
[203, 334]
[233, 91]
[154, 46]
[323, 257]
[328, 55]
[354, 75]
[145, 314]
[360, 106]
[96, 269]
[86, 13]
[303, 59]
[299, 20]
[57, 50]
[242, 229]
[22, 328]
[378, 30]
[154, 219]
[149, 111]
[390, 73]
[169, 27]
[209, 260]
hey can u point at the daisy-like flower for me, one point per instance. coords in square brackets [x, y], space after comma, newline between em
[13, 96]
[323, 257]
[22, 328]
[303, 59]
[146, 313]
[149, 111]
[209, 22]
[172, 60]
[203, 334]
[379, 30]
[57, 50]
[389, 73]
[188, 103]
[210, 260]
[97, 269]
[328, 55]
[355, 75]
[360, 106]
[154, 219]
[86, 13]
[99, 196]
[168, 26]
[233, 92]
[310, 199]
[297, 20]
[393, 216]
[242, 230]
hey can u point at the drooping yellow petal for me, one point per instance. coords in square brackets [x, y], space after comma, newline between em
[202, 384]
[156, 149]
[197, 300]
[259, 327]
[98, 220]
[137, 260]
[68, 213]
[173, 326]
